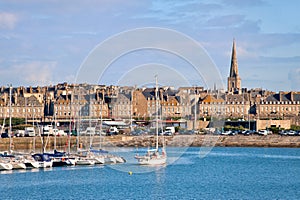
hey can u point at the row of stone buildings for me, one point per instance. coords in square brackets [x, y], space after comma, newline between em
[67, 101]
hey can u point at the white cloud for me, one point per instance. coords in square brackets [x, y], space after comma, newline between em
[8, 20]
[31, 73]
[294, 77]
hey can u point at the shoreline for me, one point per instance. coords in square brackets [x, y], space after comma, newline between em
[27, 143]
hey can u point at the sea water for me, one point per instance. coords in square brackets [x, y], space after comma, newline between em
[224, 173]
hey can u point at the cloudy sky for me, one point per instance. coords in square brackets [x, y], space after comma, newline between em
[46, 42]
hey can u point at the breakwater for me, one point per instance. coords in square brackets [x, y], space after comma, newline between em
[62, 143]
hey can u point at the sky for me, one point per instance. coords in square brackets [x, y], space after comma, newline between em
[47, 42]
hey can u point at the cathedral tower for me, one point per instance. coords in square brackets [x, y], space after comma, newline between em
[234, 80]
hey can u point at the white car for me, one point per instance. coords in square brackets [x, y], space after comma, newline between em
[263, 132]
[58, 132]
[227, 133]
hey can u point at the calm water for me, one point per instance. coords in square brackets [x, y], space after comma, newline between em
[225, 173]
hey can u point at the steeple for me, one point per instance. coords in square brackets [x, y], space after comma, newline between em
[234, 80]
[234, 65]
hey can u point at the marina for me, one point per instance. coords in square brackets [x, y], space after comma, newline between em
[225, 173]
[56, 159]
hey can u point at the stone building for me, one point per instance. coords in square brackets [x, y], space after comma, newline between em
[282, 105]
[25, 103]
[122, 106]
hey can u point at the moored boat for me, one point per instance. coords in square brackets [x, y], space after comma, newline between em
[43, 160]
[18, 163]
[85, 161]
[59, 159]
[5, 165]
[30, 162]
[154, 156]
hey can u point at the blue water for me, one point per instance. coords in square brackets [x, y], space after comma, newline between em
[225, 173]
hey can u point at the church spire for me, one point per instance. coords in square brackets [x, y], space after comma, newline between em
[234, 65]
[234, 80]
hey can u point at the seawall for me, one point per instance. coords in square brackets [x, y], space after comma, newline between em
[29, 144]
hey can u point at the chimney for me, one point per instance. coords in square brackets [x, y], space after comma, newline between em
[280, 95]
[161, 94]
[15, 97]
[292, 96]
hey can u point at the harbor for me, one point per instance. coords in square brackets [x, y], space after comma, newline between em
[220, 175]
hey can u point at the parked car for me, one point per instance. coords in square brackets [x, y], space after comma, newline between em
[283, 132]
[292, 133]
[4, 135]
[58, 132]
[262, 132]
[168, 133]
[247, 132]
[19, 133]
[29, 132]
[229, 132]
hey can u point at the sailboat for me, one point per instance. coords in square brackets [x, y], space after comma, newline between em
[15, 162]
[154, 156]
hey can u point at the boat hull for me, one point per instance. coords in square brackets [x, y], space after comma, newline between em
[85, 162]
[18, 165]
[45, 164]
[32, 164]
[6, 166]
[152, 161]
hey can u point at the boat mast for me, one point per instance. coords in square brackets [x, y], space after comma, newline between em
[9, 133]
[100, 123]
[131, 96]
[195, 109]
[55, 127]
[43, 139]
[78, 117]
[70, 122]
[156, 105]
[33, 128]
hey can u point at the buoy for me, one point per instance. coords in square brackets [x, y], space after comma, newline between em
[130, 172]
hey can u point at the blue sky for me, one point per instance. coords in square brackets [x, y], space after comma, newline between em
[45, 42]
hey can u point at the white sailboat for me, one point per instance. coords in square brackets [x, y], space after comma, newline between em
[154, 156]
[18, 164]
[5, 165]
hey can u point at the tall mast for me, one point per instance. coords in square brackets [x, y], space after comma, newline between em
[55, 127]
[79, 115]
[70, 123]
[195, 109]
[33, 127]
[156, 99]
[100, 136]
[131, 96]
[43, 139]
[90, 122]
[9, 133]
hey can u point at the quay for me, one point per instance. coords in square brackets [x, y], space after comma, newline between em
[274, 140]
